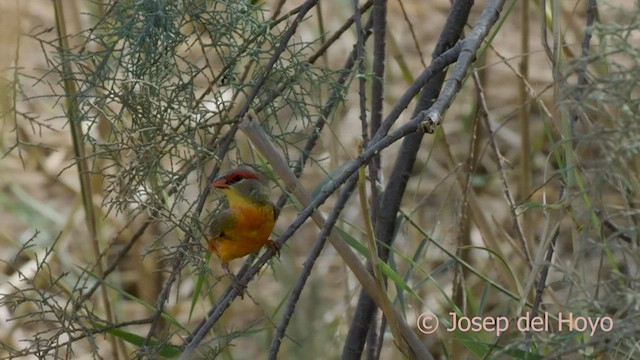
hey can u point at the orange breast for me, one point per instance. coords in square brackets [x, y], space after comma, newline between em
[247, 233]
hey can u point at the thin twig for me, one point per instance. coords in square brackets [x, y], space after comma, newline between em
[225, 145]
[118, 258]
[537, 300]
[312, 138]
[386, 217]
[525, 181]
[503, 177]
[581, 68]
[438, 64]
[308, 266]
[322, 49]
[432, 117]
[380, 141]
[82, 162]
[406, 339]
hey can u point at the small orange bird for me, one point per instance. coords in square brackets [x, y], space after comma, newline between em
[244, 223]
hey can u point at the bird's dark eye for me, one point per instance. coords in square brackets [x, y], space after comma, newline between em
[239, 175]
[234, 178]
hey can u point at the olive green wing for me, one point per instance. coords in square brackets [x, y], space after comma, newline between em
[220, 221]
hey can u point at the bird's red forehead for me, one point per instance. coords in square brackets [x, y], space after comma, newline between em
[232, 177]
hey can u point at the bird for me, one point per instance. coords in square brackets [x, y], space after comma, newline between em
[244, 222]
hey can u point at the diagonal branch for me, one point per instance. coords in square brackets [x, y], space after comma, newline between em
[394, 191]
[164, 295]
[432, 117]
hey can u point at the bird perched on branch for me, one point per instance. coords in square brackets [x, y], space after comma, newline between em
[244, 223]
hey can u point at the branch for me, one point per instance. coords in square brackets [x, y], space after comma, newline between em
[406, 339]
[378, 143]
[432, 117]
[308, 266]
[342, 178]
[312, 138]
[395, 189]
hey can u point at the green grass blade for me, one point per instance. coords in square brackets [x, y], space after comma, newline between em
[198, 287]
[166, 350]
[386, 270]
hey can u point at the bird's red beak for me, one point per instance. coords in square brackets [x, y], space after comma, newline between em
[220, 183]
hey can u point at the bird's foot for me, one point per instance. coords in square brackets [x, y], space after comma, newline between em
[275, 246]
[239, 287]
